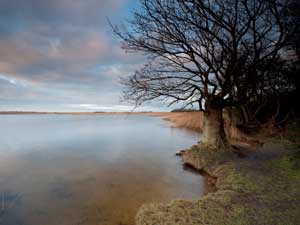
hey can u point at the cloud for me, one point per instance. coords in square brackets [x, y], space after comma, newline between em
[56, 12]
[13, 81]
[58, 53]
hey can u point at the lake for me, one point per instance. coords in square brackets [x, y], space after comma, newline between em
[90, 169]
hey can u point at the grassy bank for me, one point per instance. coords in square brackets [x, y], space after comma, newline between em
[261, 188]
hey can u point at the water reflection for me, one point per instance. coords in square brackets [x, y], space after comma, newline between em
[88, 170]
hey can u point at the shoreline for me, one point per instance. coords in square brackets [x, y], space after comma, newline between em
[262, 188]
[259, 186]
[74, 113]
[185, 120]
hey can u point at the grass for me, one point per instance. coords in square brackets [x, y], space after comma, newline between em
[188, 120]
[260, 189]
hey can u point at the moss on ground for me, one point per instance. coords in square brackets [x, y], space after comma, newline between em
[263, 188]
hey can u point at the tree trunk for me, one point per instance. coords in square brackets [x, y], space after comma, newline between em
[233, 117]
[213, 135]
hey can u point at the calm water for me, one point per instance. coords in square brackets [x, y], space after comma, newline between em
[89, 170]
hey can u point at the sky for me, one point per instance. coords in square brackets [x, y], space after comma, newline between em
[61, 55]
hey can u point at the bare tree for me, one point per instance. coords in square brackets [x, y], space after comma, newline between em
[292, 22]
[210, 52]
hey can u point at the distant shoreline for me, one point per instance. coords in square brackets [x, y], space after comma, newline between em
[71, 113]
[188, 120]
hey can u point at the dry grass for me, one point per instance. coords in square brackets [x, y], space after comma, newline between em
[188, 120]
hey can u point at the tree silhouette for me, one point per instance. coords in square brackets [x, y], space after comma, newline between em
[216, 53]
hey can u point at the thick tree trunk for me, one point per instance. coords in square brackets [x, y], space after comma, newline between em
[213, 134]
